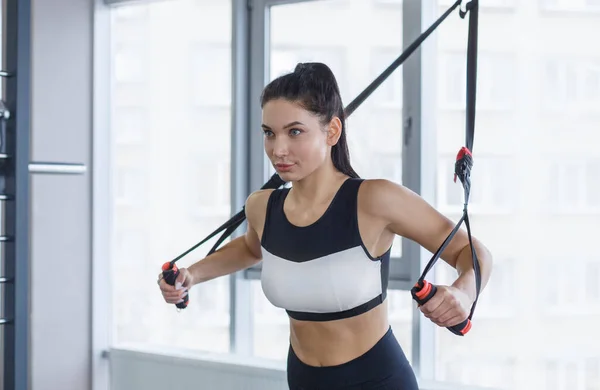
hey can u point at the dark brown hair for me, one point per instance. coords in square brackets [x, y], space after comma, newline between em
[314, 86]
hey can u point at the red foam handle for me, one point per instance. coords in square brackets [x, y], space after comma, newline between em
[170, 274]
[423, 292]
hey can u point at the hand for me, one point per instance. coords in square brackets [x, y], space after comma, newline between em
[448, 307]
[175, 294]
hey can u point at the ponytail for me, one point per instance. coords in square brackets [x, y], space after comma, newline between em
[314, 86]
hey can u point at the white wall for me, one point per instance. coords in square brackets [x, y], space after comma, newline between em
[60, 205]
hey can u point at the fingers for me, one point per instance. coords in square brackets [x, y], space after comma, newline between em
[172, 294]
[433, 304]
[183, 279]
[444, 309]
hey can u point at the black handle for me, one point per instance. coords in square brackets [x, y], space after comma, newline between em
[170, 274]
[422, 292]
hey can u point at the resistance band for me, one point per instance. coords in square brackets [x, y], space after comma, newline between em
[423, 291]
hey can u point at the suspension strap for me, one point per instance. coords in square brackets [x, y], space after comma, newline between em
[275, 181]
[423, 291]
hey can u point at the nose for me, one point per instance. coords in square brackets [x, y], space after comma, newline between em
[280, 147]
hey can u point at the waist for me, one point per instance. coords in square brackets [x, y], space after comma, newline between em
[383, 366]
[332, 343]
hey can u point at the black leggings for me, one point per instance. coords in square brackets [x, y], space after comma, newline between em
[383, 367]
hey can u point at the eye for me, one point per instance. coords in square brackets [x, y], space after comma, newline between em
[268, 133]
[295, 131]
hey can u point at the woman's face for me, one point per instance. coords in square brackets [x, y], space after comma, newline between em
[295, 141]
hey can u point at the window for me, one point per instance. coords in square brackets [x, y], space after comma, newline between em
[490, 3]
[573, 185]
[389, 94]
[129, 125]
[570, 5]
[374, 132]
[540, 290]
[130, 251]
[495, 76]
[478, 371]
[214, 199]
[492, 185]
[130, 66]
[572, 285]
[572, 84]
[169, 162]
[211, 86]
[130, 186]
[285, 57]
[572, 374]
[497, 301]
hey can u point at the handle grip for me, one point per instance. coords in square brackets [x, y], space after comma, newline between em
[422, 292]
[170, 274]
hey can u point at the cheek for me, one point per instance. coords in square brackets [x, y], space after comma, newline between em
[313, 149]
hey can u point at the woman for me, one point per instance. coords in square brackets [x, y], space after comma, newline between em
[325, 245]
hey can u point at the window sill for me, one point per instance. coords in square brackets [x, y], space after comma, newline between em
[562, 10]
[196, 362]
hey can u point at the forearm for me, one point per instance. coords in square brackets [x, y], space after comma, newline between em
[466, 273]
[232, 257]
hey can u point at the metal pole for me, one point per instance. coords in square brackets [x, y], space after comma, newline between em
[14, 167]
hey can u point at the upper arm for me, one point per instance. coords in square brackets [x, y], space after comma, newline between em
[407, 214]
[256, 206]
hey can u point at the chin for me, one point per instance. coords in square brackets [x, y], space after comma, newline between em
[288, 176]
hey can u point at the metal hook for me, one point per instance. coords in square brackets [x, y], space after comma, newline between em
[465, 7]
[4, 112]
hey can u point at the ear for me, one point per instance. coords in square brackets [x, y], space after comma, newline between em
[334, 131]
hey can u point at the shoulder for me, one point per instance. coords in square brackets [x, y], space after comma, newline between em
[256, 206]
[390, 202]
[376, 195]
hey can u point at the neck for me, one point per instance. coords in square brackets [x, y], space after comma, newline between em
[319, 186]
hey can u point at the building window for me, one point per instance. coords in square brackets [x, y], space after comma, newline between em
[496, 84]
[130, 65]
[492, 185]
[573, 185]
[209, 185]
[129, 186]
[572, 84]
[284, 59]
[389, 93]
[570, 5]
[571, 286]
[129, 124]
[480, 371]
[572, 374]
[161, 74]
[211, 86]
[486, 4]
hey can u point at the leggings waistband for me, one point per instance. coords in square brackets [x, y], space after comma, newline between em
[384, 360]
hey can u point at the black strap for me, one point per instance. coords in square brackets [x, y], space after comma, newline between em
[275, 181]
[464, 159]
[233, 223]
[390, 69]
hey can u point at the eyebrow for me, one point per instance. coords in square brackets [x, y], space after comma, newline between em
[295, 123]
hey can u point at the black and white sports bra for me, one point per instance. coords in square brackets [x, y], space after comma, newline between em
[323, 271]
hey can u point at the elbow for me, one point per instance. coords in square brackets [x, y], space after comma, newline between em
[464, 261]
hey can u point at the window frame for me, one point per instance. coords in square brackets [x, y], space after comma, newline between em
[250, 170]
[418, 165]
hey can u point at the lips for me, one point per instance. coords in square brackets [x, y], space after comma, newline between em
[283, 167]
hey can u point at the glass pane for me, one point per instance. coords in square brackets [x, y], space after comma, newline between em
[170, 165]
[374, 129]
[533, 185]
